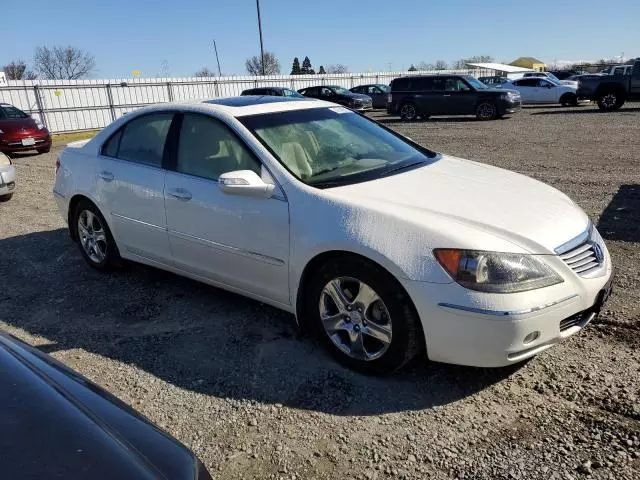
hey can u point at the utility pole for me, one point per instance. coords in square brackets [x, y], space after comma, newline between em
[217, 59]
[260, 30]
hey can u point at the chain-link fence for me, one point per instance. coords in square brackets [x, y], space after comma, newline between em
[76, 105]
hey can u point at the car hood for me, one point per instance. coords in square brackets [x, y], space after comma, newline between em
[14, 125]
[508, 205]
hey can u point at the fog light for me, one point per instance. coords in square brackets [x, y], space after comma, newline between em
[531, 337]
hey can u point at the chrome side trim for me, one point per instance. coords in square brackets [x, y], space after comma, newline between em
[140, 222]
[502, 313]
[228, 248]
[575, 242]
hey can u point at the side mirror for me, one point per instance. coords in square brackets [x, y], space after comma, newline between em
[245, 182]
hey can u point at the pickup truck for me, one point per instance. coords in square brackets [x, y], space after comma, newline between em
[611, 91]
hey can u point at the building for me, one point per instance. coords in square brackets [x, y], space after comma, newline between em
[529, 62]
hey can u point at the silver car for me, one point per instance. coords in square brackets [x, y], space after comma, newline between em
[7, 178]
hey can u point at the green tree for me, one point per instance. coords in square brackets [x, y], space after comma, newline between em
[306, 67]
[412, 68]
[295, 69]
[321, 71]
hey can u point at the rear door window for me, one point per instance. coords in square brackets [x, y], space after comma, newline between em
[143, 139]
[527, 82]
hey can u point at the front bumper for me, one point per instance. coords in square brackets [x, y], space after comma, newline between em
[509, 106]
[493, 330]
[7, 179]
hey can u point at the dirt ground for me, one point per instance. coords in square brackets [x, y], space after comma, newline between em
[232, 379]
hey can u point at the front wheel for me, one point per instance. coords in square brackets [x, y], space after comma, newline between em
[363, 316]
[6, 198]
[96, 243]
[486, 111]
[569, 100]
[408, 112]
[610, 100]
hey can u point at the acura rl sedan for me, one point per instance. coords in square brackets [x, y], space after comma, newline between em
[382, 247]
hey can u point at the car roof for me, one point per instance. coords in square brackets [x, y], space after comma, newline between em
[246, 105]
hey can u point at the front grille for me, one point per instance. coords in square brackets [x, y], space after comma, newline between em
[583, 258]
[573, 321]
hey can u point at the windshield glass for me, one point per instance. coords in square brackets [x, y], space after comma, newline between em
[342, 91]
[384, 88]
[553, 80]
[333, 146]
[551, 76]
[475, 83]
[291, 93]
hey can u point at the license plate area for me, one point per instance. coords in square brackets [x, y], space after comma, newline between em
[27, 142]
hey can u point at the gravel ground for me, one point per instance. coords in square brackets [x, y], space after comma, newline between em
[230, 378]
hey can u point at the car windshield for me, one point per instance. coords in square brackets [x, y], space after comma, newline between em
[551, 76]
[341, 91]
[384, 88]
[475, 83]
[291, 93]
[553, 80]
[333, 146]
[9, 111]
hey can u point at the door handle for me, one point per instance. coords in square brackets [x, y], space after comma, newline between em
[446, 95]
[180, 194]
[106, 176]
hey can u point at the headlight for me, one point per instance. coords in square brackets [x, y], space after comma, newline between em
[4, 160]
[495, 272]
[1, 132]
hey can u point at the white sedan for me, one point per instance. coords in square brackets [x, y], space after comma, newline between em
[383, 248]
[536, 90]
[7, 178]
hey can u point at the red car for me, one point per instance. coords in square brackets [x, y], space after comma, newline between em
[20, 132]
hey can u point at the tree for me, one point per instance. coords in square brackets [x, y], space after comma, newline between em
[63, 63]
[322, 71]
[271, 65]
[295, 69]
[17, 70]
[412, 68]
[441, 65]
[205, 72]
[337, 68]
[306, 67]
[462, 63]
[425, 67]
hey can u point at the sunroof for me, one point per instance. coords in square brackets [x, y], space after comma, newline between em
[247, 100]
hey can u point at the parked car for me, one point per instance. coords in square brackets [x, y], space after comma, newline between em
[621, 70]
[57, 424]
[340, 95]
[7, 178]
[381, 246]
[563, 74]
[19, 132]
[495, 82]
[535, 90]
[611, 91]
[551, 77]
[274, 91]
[422, 96]
[378, 93]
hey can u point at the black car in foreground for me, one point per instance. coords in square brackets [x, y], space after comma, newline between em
[422, 96]
[57, 424]
[337, 94]
[272, 91]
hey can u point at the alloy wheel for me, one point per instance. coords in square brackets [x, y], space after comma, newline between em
[92, 236]
[486, 111]
[609, 100]
[408, 112]
[355, 318]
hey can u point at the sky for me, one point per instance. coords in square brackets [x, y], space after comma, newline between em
[154, 36]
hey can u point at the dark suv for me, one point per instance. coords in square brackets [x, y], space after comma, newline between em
[423, 96]
[272, 91]
[337, 94]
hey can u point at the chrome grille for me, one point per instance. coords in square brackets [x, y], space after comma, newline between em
[582, 259]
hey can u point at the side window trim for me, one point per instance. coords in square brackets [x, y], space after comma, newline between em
[172, 164]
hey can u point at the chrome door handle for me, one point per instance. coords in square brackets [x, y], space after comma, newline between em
[180, 194]
[106, 176]
[446, 95]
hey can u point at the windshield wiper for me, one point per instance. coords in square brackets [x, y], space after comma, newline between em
[403, 167]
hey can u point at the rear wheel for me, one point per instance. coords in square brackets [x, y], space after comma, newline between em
[408, 112]
[610, 100]
[569, 100]
[486, 111]
[6, 198]
[96, 243]
[362, 315]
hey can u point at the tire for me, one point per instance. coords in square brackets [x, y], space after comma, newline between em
[6, 198]
[95, 241]
[486, 111]
[408, 112]
[569, 100]
[610, 100]
[44, 150]
[392, 316]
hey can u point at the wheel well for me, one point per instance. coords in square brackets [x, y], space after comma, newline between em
[611, 87]
[314, 264]
[73, 203]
